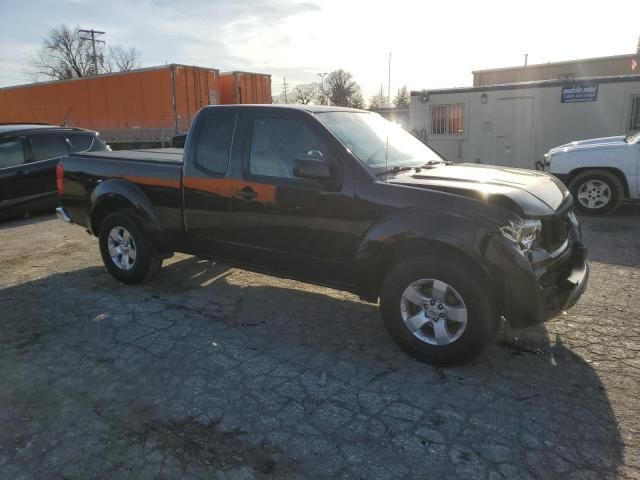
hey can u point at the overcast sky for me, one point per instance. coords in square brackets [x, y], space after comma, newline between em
[433, 44]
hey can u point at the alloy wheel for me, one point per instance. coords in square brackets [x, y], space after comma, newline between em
[122, 248]
[594, 194]
[433, 311]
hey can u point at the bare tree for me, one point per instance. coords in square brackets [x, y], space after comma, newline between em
[304, 93]
[402, 98]
[340, 88]
[65, 54]
[122, 59]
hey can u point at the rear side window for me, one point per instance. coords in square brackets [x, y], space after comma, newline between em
[48, 146]
[80, 142]
[213, 144]
[11, 153]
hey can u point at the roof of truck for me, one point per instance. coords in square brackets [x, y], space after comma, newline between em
[307, 108]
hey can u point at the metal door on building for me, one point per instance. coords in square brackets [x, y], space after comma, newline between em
[514, 132]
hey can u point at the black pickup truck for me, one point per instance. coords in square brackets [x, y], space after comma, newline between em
[342, 198]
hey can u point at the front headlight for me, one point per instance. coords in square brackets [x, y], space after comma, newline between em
[523, 234]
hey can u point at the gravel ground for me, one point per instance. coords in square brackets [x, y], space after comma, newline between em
[210, 372]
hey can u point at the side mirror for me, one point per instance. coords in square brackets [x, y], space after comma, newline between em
[311, 168]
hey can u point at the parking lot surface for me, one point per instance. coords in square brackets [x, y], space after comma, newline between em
[210, 372]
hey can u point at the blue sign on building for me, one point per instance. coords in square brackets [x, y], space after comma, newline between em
[579, 93]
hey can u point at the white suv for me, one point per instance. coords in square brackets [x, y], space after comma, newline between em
[600, 172]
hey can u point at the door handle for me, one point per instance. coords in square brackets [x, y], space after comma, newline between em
[246, 193]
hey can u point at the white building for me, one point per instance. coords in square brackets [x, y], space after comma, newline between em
[516, 124]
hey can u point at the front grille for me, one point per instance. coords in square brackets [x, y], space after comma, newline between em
[555, 230]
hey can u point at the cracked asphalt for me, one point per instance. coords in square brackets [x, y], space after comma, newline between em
[217, 373]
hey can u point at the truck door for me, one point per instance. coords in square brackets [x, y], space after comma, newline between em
[283, 222]
[206, 186]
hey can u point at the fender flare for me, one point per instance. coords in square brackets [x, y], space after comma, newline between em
[116, 193]
[412, 230]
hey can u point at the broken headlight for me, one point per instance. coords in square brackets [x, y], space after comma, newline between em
[522, 233]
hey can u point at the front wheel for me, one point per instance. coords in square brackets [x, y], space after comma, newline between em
[436, 310]
[126, 251]
[597, 192]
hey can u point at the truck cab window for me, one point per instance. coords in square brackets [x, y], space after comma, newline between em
[213, 143]
[46, 147]
[276, 143]
[11, 153]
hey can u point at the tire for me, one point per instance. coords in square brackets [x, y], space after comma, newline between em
[597, 192]
[124, 230]
[466, 341]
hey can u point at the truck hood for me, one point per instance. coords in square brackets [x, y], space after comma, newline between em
[527, 193]
[603, 142]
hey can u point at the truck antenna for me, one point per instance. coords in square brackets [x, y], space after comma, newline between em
[66, 117]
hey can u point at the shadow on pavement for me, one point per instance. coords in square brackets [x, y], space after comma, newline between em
[613, 239]
[76, 343]
[30, 220]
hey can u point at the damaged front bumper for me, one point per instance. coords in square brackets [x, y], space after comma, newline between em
[543, 290]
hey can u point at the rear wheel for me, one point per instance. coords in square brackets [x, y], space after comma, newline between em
[436, 310]
[597, 192]
[126, 249]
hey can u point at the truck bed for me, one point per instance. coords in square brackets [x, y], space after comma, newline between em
[153, 155]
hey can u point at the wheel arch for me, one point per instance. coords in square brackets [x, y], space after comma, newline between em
[405, 236]
[118, 194]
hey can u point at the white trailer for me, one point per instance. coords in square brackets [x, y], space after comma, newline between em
[516, 124]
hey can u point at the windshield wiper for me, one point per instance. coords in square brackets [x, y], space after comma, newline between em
[429, 164]
[433, 163]
[395, 169]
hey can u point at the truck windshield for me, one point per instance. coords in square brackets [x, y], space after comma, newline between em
[378, 143]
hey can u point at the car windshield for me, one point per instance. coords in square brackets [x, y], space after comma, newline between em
[634, 138]
[378, 143]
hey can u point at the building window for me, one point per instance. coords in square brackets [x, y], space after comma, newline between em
[634, 124]
[447, 119]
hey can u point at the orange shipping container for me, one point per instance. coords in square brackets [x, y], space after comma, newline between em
[145, 105]
[245, 87]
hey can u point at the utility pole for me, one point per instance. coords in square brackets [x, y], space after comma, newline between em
[381, 96]
[284, 89]
[389, 84]
[322, 75]
[92, 37]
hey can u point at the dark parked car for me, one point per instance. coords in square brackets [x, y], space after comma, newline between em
[179, 140]
[28, 158]
[343, 198]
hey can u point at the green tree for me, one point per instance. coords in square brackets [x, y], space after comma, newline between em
[403, 98]
[357, 100]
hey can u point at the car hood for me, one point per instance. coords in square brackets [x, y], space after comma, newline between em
[603, 142]
[526, 192]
